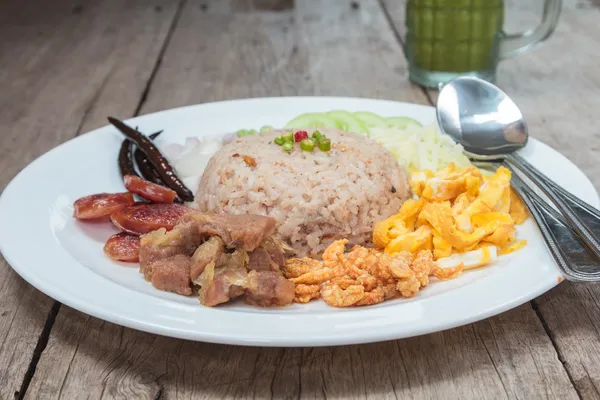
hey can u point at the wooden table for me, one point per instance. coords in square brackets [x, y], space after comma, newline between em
[67, 64]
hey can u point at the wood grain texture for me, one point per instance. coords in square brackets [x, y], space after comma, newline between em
[319, 47]
[557, 87]
[63, 68]
[498, 358]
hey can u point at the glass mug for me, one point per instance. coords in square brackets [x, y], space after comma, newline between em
[448, 38]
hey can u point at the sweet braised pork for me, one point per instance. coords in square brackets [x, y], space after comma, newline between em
[162, 244]
[208, 252]
[173, 274]
[268, 256]
[268, 289]
[237, 231]
[225, 281]
[260, 260]
[215, 253]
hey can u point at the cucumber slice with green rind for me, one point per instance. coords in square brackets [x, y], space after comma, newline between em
[347, 122]
[371, 120]
[401, 122]
[311, 120]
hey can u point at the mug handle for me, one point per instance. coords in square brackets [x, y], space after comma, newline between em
[513, 45]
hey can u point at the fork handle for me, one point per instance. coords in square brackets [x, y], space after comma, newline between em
[573, 257]
[581, 208]
[578, 225]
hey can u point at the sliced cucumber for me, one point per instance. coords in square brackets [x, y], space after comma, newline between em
[312, 120]
[401, 122]
[347, 122]
[370, 119]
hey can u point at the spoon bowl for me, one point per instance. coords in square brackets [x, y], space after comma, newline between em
[481, 117]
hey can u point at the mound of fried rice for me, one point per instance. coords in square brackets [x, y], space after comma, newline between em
[316, 197]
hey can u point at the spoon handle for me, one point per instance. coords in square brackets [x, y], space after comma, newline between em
[573, 257]
[580, 227]
[590, 215]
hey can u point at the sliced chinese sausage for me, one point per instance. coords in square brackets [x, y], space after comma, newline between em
[101, 205]
[148, 190]
[144, 218]
[123, 247]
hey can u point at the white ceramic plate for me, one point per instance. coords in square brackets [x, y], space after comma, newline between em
[64, 259]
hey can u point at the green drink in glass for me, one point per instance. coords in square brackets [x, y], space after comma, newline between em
[449, 38]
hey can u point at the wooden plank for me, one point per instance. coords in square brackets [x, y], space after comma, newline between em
[557, 87]
[65, 65]
[320, 47]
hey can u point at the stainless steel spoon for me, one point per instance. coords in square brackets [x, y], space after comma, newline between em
[490, 126]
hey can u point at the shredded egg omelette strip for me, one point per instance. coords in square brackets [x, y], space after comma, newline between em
[461, 215]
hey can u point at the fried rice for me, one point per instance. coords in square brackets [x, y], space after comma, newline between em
[316, 197]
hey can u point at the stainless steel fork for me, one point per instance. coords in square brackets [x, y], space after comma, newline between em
[573, 257]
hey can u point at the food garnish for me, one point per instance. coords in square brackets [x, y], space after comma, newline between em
[415, 147]
[246, 132]
[300, 136]
[288, 139]
[312, 120]
[307, 145]
[155, 157]
[358, 122]
[288, 146]
[323, 143]
[126, 165]
[146, 169]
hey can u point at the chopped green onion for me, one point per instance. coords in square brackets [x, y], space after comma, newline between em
[288, 137]
[307, 145]
[246, 132]
[319, 139]
[278, 141]
[325, 144]
[316, 134]
[314, 141]
[266, 128]
[288, 146]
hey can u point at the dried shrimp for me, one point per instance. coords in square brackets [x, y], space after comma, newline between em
[305, 293]
[336, 296]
